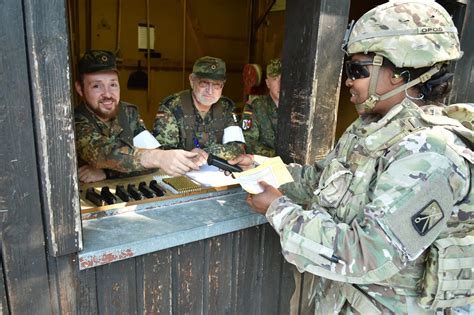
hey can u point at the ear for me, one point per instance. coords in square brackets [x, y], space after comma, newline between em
[78, 87]
[267, 83]
[191, 77]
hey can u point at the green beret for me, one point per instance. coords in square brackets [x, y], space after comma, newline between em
[95, 61]
[209, 68]
[274, 68]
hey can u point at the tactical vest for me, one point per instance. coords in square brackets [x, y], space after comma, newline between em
[192, 127]
[448, 280]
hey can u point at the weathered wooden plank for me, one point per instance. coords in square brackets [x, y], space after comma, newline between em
[463, 80]
[3, 294]
[47, 47]
[65, 281]
[24, 260]
[271, 275]
[116, 288]
[312, 63]
[188, 272]
[154, 284]
[288, 288]
[87, 292]
[219, 280]
[248, 270]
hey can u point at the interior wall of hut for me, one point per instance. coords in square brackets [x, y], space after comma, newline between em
[239, 32]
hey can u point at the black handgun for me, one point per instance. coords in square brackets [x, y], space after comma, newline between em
[145, 190]
[134, 192]
[222, 164]
[156, 188]
[107, 195]
[122, 193]
[94, 197]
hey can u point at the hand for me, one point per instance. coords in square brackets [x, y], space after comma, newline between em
[201, 158]
[260, 202]
[245, 161]
[89, 174]
[172, 162]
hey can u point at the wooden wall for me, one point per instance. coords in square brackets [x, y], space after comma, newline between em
[237, 273]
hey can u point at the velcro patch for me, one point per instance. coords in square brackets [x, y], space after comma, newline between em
[246, 124]
[424, 220]
[405, 222]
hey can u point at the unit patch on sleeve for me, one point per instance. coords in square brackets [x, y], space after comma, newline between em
[246, 124]
[425, 219]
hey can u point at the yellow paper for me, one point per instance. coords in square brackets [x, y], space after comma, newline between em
[273, 171]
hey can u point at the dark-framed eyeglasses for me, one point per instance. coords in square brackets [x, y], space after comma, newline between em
[206, 84]
[357, 69]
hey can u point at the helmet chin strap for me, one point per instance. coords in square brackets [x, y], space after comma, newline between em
[374, 98]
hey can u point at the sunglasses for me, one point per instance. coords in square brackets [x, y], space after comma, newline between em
[357, 69]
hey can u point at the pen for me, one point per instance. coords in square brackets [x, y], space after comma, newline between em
[333, 258]
[196, 142]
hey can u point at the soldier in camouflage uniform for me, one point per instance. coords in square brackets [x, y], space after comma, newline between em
[395, 180]
[260, 117]
[201, 119]
[105, 128]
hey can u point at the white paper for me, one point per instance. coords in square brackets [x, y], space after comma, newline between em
[233, 133]
[145, 140]
[272, 170]
[211, 176]
[250, 182]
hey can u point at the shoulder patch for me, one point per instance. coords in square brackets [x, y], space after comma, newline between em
[425, 219]
[246, 124]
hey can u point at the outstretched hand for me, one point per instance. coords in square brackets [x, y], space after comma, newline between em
[202, 156]
[172, 162]
[260, 202]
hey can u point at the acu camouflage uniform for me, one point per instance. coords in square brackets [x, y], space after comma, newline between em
[109, 146]
[259, 122]
[260, 119]
[392, 187]
[381, 169]
[179, 125]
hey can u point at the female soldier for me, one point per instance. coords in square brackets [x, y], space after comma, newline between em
[387, 190]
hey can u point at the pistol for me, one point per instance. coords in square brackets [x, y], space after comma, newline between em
[222, 164]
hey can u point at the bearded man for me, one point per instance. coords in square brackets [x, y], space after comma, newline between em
[106, 128]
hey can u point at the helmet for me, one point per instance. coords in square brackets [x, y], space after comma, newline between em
[410, 33]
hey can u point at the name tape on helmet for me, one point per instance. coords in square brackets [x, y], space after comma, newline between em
[431, 30]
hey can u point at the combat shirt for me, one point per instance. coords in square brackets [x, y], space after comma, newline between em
[109, 146]
[259, 122]
[170, 126]
[351, 194]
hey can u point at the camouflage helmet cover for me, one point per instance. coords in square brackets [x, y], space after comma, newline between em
[410, 33]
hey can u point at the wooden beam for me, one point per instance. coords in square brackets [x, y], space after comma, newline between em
[22, 242]
[463, 80]
[195, 27]
[311, 74]
[48, 50]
